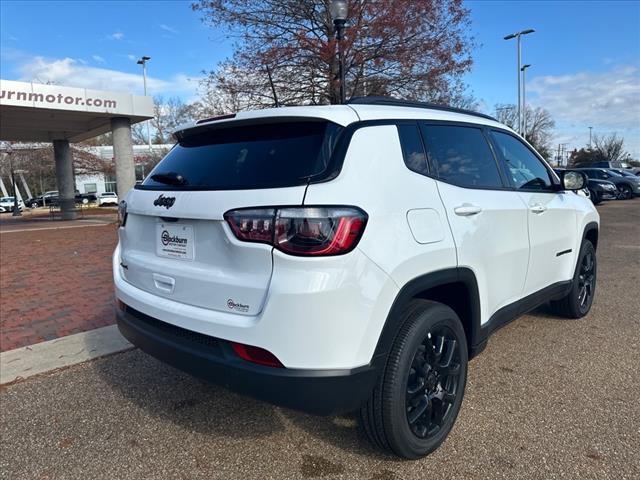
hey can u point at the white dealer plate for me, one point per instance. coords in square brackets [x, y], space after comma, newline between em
[174, 241]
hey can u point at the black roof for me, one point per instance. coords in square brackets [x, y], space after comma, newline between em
[395, 102]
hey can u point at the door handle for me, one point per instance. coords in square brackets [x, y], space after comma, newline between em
[467, 210]
[538, 208]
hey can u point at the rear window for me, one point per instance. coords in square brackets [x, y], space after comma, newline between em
[248, 157]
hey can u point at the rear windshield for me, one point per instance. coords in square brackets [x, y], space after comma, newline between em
[247, 157]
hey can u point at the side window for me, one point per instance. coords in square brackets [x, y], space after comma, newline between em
[412, 149]
[525, 169]
[462, 155]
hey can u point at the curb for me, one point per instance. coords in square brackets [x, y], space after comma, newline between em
[43, 357]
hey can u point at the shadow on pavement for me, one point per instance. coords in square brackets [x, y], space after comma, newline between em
[190, 403]
[198, 406]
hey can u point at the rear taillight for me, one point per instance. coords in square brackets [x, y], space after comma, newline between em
[304, 231]
[122, 213]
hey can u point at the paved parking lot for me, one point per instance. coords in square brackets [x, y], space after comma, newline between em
[549, 398]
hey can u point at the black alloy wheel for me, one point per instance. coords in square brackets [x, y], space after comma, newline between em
[433, 382]
[586, 281]
[414, 406]
[577, 303]
[625, 192]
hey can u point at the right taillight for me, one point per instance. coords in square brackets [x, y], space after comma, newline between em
[303, 231]
[122, 213]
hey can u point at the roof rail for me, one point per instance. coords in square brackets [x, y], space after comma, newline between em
[395, 102]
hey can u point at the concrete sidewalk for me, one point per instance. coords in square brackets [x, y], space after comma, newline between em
[25, 362]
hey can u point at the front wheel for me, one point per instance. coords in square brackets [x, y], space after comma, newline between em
[577, 303]
[625, 192]
[415, 404]
[595, 198]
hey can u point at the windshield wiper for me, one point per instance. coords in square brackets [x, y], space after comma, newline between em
[169, 178]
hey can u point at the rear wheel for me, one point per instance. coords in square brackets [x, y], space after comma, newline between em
[418, 397]
[578, 301]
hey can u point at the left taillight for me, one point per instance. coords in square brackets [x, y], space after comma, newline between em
[122, 213]
[302, 231]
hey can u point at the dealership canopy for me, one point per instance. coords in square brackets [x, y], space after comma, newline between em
[42, 113]
[31, 112]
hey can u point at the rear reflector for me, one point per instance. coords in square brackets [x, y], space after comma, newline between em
[302, 231]
[256, 355]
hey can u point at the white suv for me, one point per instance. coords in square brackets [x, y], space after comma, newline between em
[336, 258]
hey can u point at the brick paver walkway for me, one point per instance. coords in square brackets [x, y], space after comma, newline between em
[54, 282]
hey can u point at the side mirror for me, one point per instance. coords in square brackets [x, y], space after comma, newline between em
[573, 180]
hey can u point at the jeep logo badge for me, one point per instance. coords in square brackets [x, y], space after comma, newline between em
[163, 201]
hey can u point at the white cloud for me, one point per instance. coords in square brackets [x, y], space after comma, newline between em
[610, 99]
[609, 102]
[98, 58]
[69, 72]
[116, 36]
[131, 57]
[168, 28]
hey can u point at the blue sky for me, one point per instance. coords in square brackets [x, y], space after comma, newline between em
[585, 55]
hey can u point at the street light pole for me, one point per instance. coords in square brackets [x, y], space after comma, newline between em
[338, 10]
[524, 102]
[143, 61]
[590, 128]
[517, 37]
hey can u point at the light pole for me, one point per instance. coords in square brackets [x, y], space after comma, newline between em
[338, 12]
[517, 37]
[143, 61]
[524, 102]
[590, 128]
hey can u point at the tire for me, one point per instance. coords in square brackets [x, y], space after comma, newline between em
[34, 205]
[595, 198]
[418, 396]
[625, 192]
[574, 304]
[85, 201]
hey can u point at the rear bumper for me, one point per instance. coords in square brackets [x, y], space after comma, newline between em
[320, 392]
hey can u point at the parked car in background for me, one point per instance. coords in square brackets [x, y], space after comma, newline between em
[7, 203]
[107, 198]
[624, 172]
[51, 198]
[598, 190]
[628, 187]
[47, 198]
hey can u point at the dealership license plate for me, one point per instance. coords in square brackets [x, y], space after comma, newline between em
[174, 241]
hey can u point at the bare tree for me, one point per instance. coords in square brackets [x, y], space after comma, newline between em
[411, 49]
[38, 166]
[167, 115]
[539, 125]
[610, 148]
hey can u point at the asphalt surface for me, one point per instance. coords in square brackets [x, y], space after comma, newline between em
[549, 398]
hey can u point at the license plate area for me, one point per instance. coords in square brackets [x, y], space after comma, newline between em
[174, 241]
